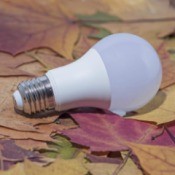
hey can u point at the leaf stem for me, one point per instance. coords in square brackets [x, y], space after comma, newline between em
[159, 134]
[119, 168]
[82, 21]
[170, 134]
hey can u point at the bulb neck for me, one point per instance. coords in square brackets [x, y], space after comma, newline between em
[37, 95]
[83, 83]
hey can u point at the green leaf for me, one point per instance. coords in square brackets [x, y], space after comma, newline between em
[98, 17]
[60, 148]
[100, 34]
[49, 153]
[172, 53]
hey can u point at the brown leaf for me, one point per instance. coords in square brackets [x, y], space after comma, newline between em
[103, 159]
[48, 58]
[168, 66]
[26, 25]
[140, 9]
[16, 124]
[167, 34]
[9, 65]
[84, 43]
[85, 7]
[30, 144]
[14, 134]
[59, 167]
[53, 128]
[155, 160]
[11, 121]
[14, 62]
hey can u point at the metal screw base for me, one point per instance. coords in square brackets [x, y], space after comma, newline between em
[37, 95]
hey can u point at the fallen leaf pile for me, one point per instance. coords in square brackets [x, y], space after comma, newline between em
[36, 36]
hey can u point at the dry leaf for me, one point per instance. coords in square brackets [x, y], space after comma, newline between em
[10, 119]
[35, 24]
[11, 153]
[109, 169]
[84, 43]
[155, 160]
[161, 109]
[104, 158]
[31, 144]
[48, 58]
[168, 66]
[16, 124]
[59, 167]
[14, 134]
[9, 65]
[140, 9]
[85, 7]
[101, 168]
[53, 128]
[109, 132]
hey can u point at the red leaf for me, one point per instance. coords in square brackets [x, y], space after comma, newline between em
[109, 132]
[11, 153]
[26, 25]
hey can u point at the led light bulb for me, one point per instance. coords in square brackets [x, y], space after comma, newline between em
[122, 73]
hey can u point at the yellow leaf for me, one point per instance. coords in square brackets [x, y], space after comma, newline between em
[59, 167]
[139, 9]
[161, 109]
[18, 169]
[156, 160]
[109, 169]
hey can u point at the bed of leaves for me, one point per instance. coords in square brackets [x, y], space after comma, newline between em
[36, 36]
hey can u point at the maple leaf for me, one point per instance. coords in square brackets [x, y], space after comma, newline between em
[9, 65]
[26, 25]
[109, 132]
[61, 147]
[155, 160]
[11, 153]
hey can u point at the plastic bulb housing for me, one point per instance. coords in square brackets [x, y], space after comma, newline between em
[122, 73]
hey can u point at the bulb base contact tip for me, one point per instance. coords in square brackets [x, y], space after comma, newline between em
[17, 100]
[34, 96]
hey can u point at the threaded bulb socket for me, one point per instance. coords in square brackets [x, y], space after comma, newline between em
[37, 95]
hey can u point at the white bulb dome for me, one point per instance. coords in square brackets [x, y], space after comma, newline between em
[133, 68]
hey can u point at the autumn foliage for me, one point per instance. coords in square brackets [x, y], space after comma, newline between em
[36, 36]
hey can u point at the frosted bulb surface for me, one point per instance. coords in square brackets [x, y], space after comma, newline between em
[133, 68]
[122, 72]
